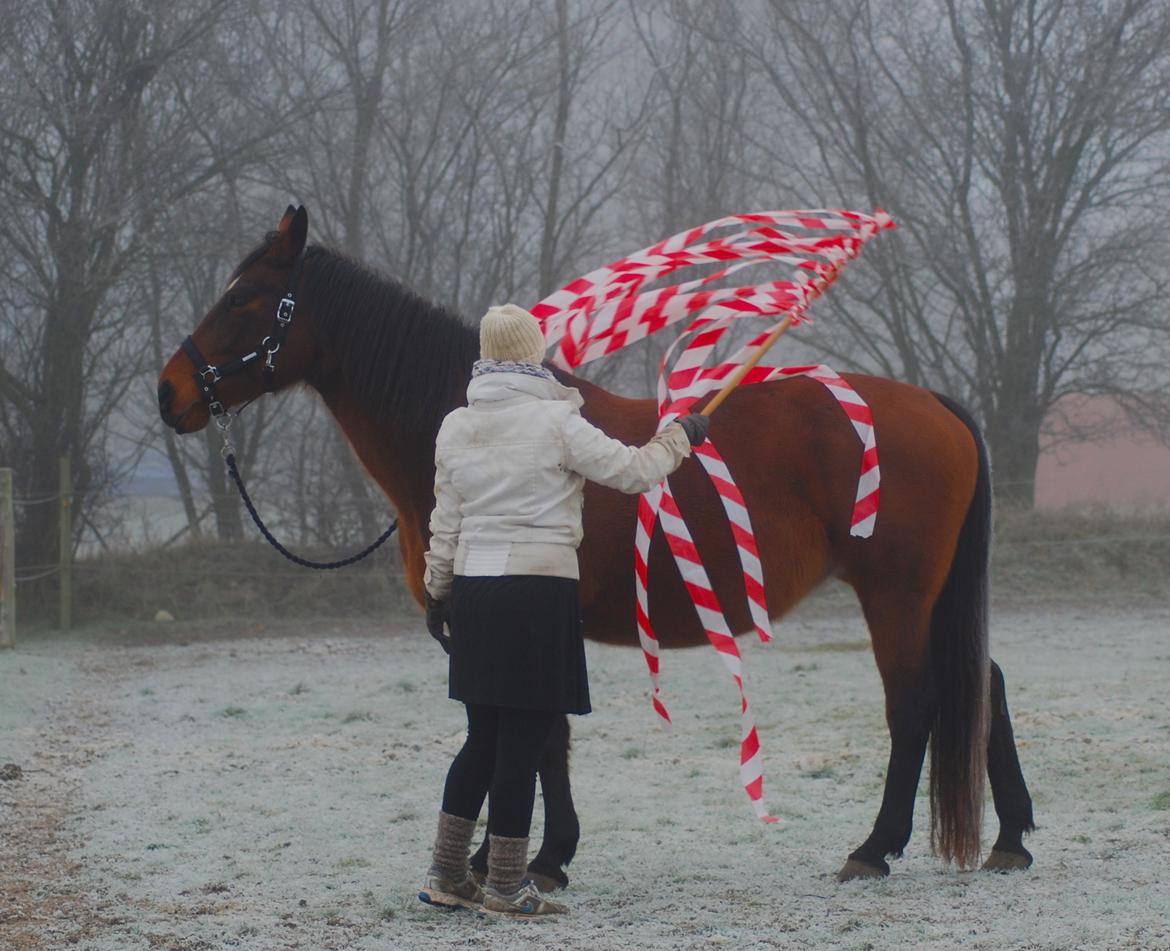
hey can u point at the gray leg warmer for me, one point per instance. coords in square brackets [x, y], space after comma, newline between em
[452, 847]
[507, 863]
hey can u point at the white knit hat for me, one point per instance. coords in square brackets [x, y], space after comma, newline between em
[508, 332]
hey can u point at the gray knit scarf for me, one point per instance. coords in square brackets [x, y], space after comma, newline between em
[480, 367]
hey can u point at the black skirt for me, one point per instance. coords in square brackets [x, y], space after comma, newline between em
[516, 642]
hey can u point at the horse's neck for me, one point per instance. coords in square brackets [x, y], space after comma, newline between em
[401, 462]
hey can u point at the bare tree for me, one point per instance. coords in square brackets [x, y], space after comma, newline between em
[487, 151]
[1022, 147]
[356, 44]
[694, 148]
[99, 107]
[698, 145]
[584, 137]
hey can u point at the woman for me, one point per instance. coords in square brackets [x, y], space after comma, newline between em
[502, 570]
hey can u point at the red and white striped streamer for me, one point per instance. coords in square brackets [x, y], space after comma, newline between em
[741, 530]
[605, 310]
[648, 506]
[694, 575]
[608, 309]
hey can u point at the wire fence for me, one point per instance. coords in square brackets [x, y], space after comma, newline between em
[56, 497]
[155, 525]
[14, 576]
[38, 572]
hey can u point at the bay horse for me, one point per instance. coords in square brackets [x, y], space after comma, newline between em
[390, 365]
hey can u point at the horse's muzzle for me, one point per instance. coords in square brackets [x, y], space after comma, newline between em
[166, 398]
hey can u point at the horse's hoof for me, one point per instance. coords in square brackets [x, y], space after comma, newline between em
[1001, 861]
[855, 868]
[548, 881]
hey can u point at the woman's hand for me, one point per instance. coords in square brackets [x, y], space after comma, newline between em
[695, 426]
[436, 618]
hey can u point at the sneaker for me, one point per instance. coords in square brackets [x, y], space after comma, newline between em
[445, 893]
[525, 902]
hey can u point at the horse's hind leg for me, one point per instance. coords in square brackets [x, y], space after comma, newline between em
[900, 648]
[561, 828]
[1013, 805]
[479, 861]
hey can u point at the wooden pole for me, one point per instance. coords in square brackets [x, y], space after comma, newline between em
[7, 561]
[751, 361]
[65, 553]
[735, 378]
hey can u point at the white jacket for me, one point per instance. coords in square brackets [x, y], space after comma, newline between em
[510, 468]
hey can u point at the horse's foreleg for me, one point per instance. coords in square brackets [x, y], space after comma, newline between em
[1013, 805]
[561, 829]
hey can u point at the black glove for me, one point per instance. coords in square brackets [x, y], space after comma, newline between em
[695, 426]
[436, 617]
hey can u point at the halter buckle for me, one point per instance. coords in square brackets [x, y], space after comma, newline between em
[224, 421]
[215, 375]
[284, 310]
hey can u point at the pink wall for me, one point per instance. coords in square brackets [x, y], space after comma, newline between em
[1129, 470]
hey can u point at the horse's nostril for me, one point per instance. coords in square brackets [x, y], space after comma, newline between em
[166, 393]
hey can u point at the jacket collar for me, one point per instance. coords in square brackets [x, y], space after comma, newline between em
[498, 387]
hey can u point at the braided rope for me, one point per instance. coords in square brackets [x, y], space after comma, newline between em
[230, 459]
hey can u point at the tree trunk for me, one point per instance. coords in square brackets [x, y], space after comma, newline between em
[225, 502]
[1013, 439]
[368, 91]
[57, 417]
[170, 444]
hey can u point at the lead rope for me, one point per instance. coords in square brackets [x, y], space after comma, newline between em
[228, 452]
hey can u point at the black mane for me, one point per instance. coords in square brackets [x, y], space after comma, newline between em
[403, 357]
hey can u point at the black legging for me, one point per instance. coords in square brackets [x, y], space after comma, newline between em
[500, 755]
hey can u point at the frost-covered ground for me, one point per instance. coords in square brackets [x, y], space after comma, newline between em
[280, 792]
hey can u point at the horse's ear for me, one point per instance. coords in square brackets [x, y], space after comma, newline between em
[291, 234]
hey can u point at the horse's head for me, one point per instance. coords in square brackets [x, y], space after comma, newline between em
[247, 343]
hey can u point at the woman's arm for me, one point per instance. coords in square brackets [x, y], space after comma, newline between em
[612, 463]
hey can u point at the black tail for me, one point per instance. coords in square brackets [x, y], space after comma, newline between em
[959, 655]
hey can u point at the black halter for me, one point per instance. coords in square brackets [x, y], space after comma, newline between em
[208, 374]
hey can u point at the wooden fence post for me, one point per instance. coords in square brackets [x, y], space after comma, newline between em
[7, 561]
[65, 534]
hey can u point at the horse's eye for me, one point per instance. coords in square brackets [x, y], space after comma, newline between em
[237, 300]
